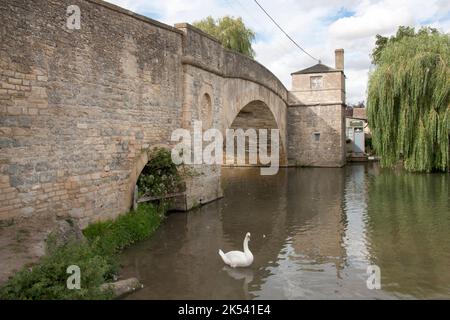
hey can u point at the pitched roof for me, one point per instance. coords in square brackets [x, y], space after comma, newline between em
[318, 68]
[360, 113]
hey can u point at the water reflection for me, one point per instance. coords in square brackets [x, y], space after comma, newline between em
[314, 232]
[409, 232]
[241, 273]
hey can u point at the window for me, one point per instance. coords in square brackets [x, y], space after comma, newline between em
[316, 82]
[350, 133]
[316, 136]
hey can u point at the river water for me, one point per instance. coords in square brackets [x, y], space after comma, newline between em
[314, 234]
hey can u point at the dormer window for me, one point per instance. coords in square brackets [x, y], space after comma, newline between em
[316, 82]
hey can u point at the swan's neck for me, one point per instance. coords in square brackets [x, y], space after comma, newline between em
[246, 249]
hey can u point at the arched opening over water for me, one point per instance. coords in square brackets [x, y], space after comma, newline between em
[253, 119]
[155, 177]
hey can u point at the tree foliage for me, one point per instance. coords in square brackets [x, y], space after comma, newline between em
[402, 32]
[409, 101]
[231, 32]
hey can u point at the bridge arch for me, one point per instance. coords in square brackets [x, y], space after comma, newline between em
[251, 105]
[256, 115]
[139, 164]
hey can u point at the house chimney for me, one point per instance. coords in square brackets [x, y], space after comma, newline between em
[339, 56]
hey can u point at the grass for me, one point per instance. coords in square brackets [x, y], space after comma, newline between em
[110, 237]
[96, 257]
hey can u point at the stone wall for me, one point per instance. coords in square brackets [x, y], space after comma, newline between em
[333, 90]
[316, 136]
[78, 107]
[205, 52]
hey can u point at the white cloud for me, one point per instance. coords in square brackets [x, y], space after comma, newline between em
[357, 33]
[320, 26]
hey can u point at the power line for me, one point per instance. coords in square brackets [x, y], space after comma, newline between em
[293, 41]
[280, 45]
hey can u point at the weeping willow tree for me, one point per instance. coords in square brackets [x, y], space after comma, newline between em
[231, 32]
[409, 103]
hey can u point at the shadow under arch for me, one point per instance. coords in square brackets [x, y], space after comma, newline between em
[257, 115]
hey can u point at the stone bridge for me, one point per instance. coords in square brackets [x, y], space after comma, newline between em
[81, 109]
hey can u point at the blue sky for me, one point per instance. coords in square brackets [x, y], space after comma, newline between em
[320, 26]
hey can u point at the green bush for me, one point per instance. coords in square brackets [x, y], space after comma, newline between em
[160, 175]
[96, 257]
[48, 279]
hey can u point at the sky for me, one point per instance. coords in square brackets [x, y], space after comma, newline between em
[319, 26]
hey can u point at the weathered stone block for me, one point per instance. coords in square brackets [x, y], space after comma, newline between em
[15, 81]
[8, 86]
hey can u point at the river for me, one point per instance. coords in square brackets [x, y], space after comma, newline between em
[314, 232]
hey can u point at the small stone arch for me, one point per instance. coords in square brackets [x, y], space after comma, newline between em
[137, 168]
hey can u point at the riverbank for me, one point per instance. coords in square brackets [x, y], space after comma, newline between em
[96, 256]
[22, 242]
[95, 250]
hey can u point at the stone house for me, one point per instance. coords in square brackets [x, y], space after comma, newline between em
[316, 115]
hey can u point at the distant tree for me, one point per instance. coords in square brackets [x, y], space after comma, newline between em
[231, 32]
[402, 32]
[409, 100]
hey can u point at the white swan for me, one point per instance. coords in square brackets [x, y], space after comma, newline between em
[238, 258]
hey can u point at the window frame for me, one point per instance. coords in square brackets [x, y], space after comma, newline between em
[316, 85]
